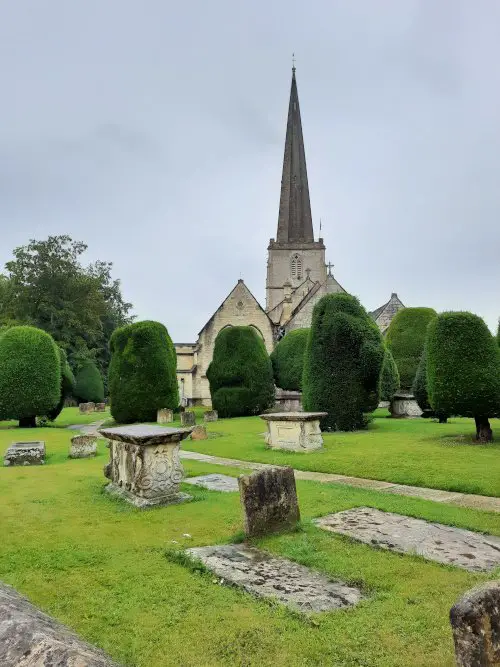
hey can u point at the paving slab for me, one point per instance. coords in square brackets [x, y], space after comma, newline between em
[263, 575]
[404, 534]
[214, 482]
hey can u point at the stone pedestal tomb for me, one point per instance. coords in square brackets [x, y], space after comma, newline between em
[144, 466]
[210, 416]
[86, 408]
[25, 454]
[295, 431]
[83, 447]
[165, 416]
[100, 407]
[403, 404]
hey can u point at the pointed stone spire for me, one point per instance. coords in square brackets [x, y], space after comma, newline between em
[295, 220]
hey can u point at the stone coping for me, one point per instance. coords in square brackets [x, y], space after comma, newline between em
[293, 416]
[145, 434]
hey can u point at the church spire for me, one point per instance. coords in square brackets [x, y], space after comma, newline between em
[295, 220]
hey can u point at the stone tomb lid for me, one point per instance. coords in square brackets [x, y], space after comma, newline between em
[29, 444]
[293, 416]
[145, 434]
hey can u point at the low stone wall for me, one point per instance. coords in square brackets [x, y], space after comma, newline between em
[288, 401]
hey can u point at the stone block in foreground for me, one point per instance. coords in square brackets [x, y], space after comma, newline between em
[25, 454]
[145, 467]
[269, 501]
[83, 446]
[267, 576]
[30, 638]
[295, 431]
[214, 482]
[404, 534]
[199, 432]
[475, 621]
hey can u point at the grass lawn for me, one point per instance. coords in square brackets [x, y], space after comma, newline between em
[418, 452]
[102, 567]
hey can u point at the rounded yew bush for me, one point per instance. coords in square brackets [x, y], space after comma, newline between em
[30, 374]
[288, 360]
[389, 378]
[343, 362]
[240, 374]
[67, 385]
[142, 372]
[88, 384]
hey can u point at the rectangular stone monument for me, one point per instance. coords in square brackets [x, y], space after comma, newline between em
[86, 408]
[83, 446]
[100, 407]
[210, 416]
[294, 431]
[144, 466]
[199, 433]
[269, 501]
[25, 454]
[475, 621]
[188, 418]
[165, 416]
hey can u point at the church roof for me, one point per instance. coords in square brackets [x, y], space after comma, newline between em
[294, 220]
[389, 309]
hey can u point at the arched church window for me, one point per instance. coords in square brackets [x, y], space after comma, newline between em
[296, 267]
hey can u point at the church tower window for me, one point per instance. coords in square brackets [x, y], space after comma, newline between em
[296, 267]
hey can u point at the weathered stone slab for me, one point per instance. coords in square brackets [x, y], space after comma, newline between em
[25, 454]
[165, 416]
[30, 638]
[188, 418]
[269, 501]
[83, 446]
[199, 433]
[475, 621]
[434, 541]
[403, 404]
[145, 467]
[295, 431]
[214, 482]
[210, 416]
[268, 576]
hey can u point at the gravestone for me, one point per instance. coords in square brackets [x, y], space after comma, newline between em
[475, 621]
[403, 404]
[199, 433]
[100, 407]
[165, 416]
[86, 408]
[294, 431]
[269, 501]
[268, 576]
[25, 454]
[188, 418]
[404, 534]
[210, 416]
[214, 482]
[144, 466]
[30, 638]
[83, 446]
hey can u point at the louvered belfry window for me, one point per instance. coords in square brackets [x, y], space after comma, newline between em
[296, 267]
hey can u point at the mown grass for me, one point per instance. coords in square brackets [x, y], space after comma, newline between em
[418, 452]
[100, 566]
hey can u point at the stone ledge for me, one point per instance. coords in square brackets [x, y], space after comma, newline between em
[293, 416]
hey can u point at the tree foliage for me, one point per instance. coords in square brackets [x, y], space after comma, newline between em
[67, 384]
[406, 338]
[30, 374]
[389, 378]
[142, 372]
[288, 360]
[463, 369]
[88, 384]
[240, 374]
[343, 363]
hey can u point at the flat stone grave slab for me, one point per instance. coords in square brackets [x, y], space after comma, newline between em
[25, 454]
[214, 482]
[269, 576]
[404, 534]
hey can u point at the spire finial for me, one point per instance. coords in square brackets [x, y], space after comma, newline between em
[330, 267]
[293, 63]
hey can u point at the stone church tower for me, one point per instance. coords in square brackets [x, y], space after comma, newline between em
[294, 256]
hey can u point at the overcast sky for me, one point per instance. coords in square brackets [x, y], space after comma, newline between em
[154, 132]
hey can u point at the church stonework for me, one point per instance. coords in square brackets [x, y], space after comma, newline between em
[297, 275]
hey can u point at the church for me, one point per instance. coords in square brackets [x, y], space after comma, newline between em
[297, 276]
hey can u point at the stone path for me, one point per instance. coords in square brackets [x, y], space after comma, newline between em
[88, 429]
[404, 534]
[486, 503]
[268, 576]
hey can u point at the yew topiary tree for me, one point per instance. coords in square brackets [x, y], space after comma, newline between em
[240, 374]
[88, 383]
[389, 378]
[67, 385]
[343, 362]
[463, 369]
[406, 338]
[142, 372]
[30, 374]
[288, 360]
